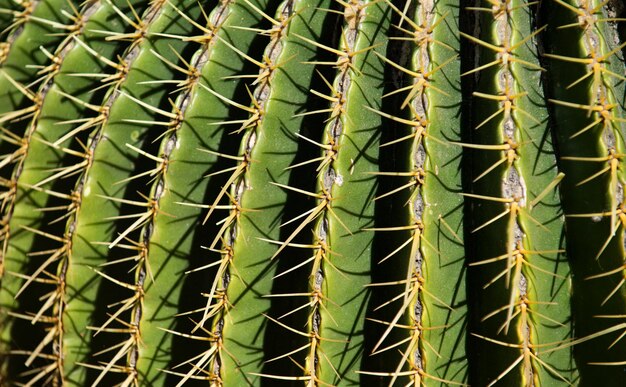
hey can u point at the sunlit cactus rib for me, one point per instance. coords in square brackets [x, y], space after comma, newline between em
[47, 272]
[345, 193]
[36, 35]
[210, 145]
[545, 310]
[429, 321]
[114, 243]
[586, 87]
[73, 109]
[78, 284]
[177, 188]
[443, 300]
[322, 364]
[517, 234]
[266, 153]
[116, 240]
[269, 145]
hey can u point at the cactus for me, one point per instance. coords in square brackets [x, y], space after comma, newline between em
[318, 192]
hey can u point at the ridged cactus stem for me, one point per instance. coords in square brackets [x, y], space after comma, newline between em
[180, 158]
[51, 309]
[154, 299]
[265, 153]
[261, 144]
[133, 358]
[230, 43]
[219, 362]
[39, 33]
[76, 254]
[433, 251]
[517, 231]
[318, 359]
[317, 192]
[74, 274]
[344, 206]
[587, 89]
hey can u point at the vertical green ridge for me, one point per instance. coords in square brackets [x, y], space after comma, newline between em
[175, 192]
[46, 266]
[267, 148]
[20, 86]
[586, 112]
[523, 283]
[428, 273]
[178, 187]
[547, 272]
[203, 133]
[495, 239]
[272, 148]
[159, 18]
[78, 283]
[81, 282]
[347, 192]
[444, 272]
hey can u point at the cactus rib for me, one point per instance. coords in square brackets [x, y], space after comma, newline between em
[590, 140]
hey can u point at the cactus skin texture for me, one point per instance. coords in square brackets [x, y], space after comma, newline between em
[312, 192]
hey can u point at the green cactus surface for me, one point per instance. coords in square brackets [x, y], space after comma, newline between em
[312, 192]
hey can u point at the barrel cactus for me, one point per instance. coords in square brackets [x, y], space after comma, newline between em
[317, 192]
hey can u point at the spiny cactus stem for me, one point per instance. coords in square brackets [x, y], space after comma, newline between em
[427, 17]
[317, 192]
[217, 304]
[590, 139]
[24, 102]
[151, 221]
[509, 179]
[224, 48]
[116, 82]
[55, 301]
[353, 12]
[356, 43]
